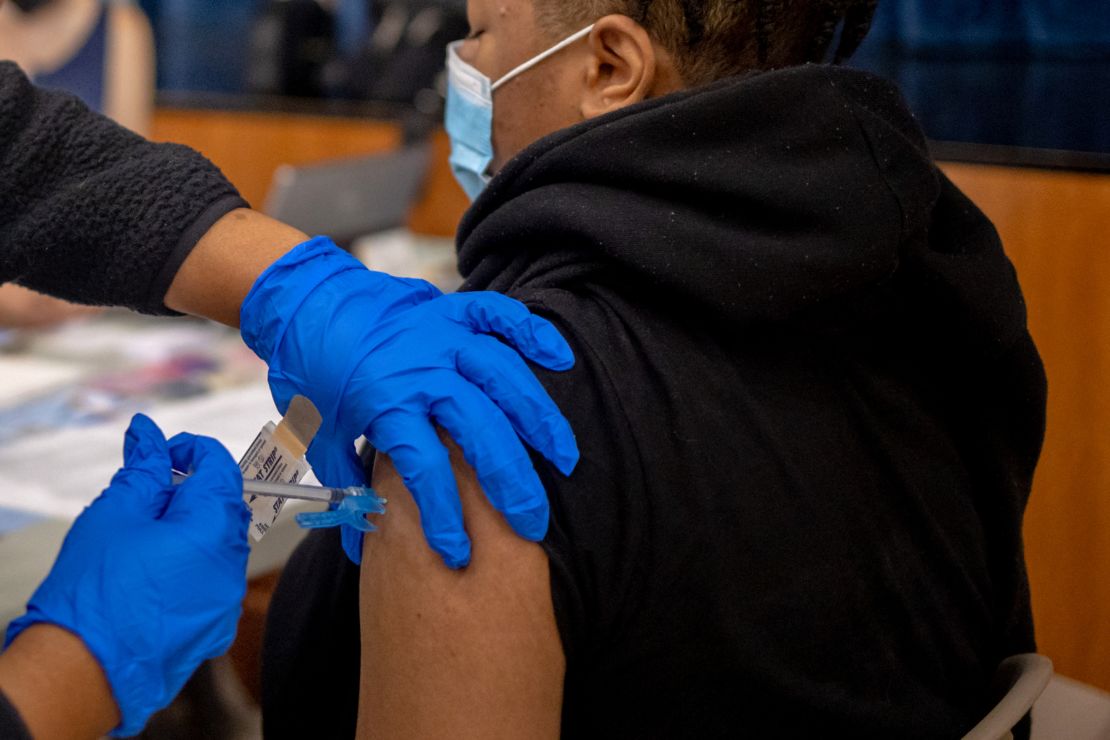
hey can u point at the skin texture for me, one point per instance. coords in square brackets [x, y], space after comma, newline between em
[476, 653]
[42, 666]
[456, 654]
[222, 268]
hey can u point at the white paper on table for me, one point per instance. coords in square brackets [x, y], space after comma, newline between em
[126, 340]
[60, 472]
[26, 377]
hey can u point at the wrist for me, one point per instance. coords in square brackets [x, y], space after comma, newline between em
[54, 681]
[281, 290]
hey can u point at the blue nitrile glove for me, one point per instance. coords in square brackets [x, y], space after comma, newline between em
[152, 577]
[390, 358]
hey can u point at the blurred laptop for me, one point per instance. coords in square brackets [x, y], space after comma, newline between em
[348, 198]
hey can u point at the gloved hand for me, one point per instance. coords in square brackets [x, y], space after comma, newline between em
[391, 357]
[152, 578]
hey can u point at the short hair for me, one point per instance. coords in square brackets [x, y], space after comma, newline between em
[714, 39]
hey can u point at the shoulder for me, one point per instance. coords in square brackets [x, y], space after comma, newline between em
[595, 394]
[127, 18]
[599, 514]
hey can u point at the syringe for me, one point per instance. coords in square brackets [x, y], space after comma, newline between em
[322, 494]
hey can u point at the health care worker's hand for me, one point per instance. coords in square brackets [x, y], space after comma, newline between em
[152, 577]
[390, 358]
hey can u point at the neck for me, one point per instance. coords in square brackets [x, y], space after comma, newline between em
[667, 79]
[43, 41]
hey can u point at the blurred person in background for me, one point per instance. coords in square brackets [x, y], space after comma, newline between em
[102, 52]
[22, 308]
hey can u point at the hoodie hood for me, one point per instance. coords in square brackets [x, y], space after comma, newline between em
[752, 199]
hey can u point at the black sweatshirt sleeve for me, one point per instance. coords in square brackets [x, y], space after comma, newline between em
[91, 212]
[11, 724]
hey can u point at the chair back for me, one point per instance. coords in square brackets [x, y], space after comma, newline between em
[1020, 679]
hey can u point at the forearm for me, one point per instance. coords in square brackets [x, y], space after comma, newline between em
[57, 686]
[220, 270]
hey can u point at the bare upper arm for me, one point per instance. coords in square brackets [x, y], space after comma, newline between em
[472, 653]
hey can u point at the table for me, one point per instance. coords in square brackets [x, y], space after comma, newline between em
[53, 472]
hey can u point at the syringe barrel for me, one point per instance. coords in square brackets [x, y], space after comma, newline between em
[283, 490]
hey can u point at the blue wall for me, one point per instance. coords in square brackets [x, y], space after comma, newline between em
[202, 44]
[1005, 72]
[1068, 29]
[1011, 72]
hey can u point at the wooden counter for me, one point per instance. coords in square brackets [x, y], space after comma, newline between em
[249, 146]
[1056, 229]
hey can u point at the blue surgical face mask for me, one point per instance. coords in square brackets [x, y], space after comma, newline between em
[469, 115]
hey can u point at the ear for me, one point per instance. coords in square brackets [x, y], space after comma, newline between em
[623, 66]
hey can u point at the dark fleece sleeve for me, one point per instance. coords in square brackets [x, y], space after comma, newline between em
[91, 212]
[11, 724]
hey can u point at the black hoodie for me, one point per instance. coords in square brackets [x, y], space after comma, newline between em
[808, 407]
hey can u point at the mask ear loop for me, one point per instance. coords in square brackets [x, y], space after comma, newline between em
[536, 60]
